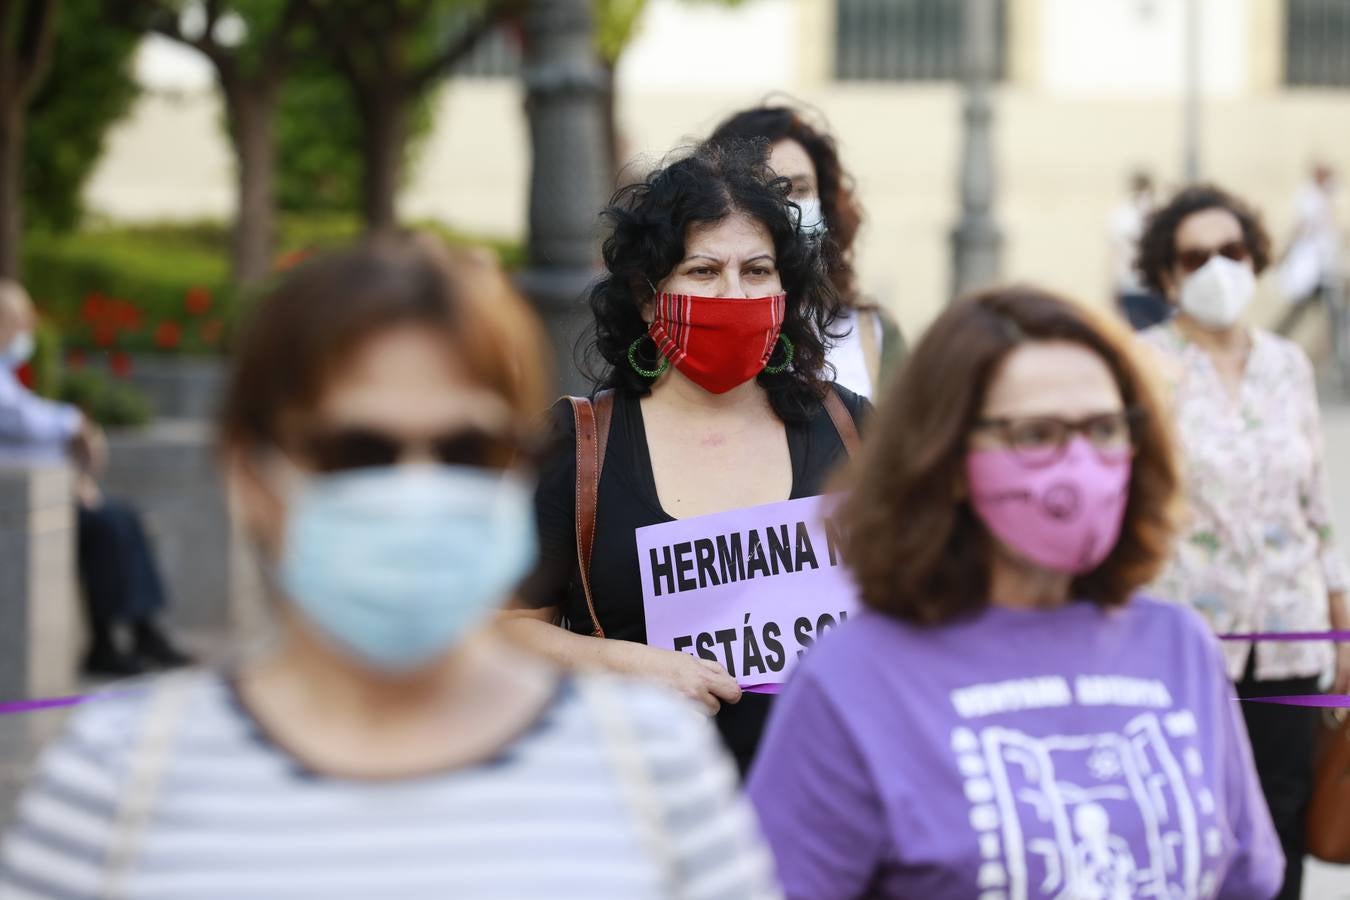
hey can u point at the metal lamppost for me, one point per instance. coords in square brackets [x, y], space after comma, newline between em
[564, 84]
[976, 240]
[1191, 115]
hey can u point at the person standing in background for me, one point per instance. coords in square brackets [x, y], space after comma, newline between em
[120, 580]
[866, 341]
[1311, 263]
[1258, 553]
[1141, 307]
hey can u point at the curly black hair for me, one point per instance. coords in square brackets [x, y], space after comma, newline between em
[649, 222]
[838, 201]
[1158, 245]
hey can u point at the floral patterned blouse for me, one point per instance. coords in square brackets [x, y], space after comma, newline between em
[1257, 551]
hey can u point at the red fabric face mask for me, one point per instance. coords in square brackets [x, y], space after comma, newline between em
[717, 342]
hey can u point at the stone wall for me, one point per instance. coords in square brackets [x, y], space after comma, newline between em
[41, 631]
[169, 471]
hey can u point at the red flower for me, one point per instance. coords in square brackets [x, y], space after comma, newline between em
[211, 332]
[104, 335]
[168, 335]
[197, 301]
[120, 364]
[25, 374]
[291, 260]
[91, 310]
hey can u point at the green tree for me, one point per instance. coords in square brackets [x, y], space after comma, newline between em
[251, 44]
[89, 87]
[319, 139]
[391, 54]
[616, 24]
[27, 37]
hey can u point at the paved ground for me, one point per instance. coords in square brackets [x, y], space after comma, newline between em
[20, 735]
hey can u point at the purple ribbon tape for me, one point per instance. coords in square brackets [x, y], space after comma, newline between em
[25, 706]
[1319, 701]
[1287, 636]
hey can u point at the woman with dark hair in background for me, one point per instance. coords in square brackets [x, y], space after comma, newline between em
[866, 343]
[392, 743]
[1258, 553]
[708, 327]
[1007, 719]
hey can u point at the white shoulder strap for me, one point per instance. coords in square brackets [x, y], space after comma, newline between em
[145, 769]
[625, 752]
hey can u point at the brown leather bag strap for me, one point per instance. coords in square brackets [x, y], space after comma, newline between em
[843, 422]
[592, 423]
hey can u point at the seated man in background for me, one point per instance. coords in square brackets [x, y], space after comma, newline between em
[121, 584]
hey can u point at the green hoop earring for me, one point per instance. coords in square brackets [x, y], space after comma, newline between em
[646, 373]
[788, 351]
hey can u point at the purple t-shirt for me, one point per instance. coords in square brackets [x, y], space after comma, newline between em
[1073, 752]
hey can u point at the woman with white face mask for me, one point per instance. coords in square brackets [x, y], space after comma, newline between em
[392, 743]
[1258, 553]
[866, 343]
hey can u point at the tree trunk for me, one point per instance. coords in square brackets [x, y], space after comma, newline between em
[609, 101]
[385, 117]
[12, 122]
[252, 109]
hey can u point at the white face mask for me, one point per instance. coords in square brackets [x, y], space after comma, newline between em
[813, 218]
[1218, 293]
[19, 351]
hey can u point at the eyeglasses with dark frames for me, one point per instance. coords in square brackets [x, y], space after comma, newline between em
[1042, 440]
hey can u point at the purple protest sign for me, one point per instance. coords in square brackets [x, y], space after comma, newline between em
[752, 588]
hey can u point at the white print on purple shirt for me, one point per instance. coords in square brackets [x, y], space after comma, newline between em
[1052, 813]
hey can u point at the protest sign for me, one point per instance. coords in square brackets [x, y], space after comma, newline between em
[751, 589]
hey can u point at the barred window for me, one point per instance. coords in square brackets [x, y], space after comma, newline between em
[906, 40]
[1317, 43]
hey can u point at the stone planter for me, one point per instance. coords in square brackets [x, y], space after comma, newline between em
[178, 387]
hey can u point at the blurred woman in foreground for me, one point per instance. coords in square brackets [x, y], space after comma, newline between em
[1008, 719]
[391, 745]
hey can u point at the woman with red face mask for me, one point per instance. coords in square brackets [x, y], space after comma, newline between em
[710, 397]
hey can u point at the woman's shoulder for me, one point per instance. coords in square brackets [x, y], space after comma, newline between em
[1287, 354]
[108, 726]
[1178, 620]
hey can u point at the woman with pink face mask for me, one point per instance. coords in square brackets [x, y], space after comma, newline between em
[1007, 718]
[711, 397]
[1258, 552]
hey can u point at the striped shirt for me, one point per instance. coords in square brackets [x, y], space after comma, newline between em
[234, 816]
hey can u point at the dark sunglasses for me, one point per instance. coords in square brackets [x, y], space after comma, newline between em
[1193, 259]
[357, 447]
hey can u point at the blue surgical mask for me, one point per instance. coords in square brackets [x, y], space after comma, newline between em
[812, 221]
[18, 351]
[395, 564]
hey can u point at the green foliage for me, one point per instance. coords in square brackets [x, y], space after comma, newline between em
[165, 288]
[319, 133]
[88, 87]
[132, 290]
[615, 24]
[46, 361]
[108, 401]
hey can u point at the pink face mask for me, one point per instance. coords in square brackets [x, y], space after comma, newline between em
[1065, 516]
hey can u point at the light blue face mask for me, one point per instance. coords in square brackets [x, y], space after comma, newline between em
[18, 351]
[396, 564]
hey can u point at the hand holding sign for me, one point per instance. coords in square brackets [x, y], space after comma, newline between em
[701, 680]
[749, 590]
